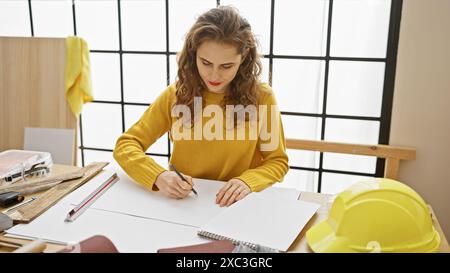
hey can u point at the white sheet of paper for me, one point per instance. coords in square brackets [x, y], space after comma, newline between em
[282, 193]
[127, 197]
[264, 220]
[128, 233]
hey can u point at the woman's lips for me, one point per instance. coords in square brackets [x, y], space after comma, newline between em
[214, 83]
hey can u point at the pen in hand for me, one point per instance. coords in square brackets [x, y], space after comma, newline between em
[182, 177]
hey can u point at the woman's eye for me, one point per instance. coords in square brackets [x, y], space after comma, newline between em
[226, 67]
[206, 63]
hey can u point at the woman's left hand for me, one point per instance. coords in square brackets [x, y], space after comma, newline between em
[234, 190]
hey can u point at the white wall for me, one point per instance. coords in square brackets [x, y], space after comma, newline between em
[421, 110]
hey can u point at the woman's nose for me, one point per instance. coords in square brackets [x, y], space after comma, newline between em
[214, 74]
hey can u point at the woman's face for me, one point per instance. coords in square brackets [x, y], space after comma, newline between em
[217, 64]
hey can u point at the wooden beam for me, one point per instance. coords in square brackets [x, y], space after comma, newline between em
[382, 151]
[32, 88]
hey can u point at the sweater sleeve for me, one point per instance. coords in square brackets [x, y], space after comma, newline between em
[274, 164]
[130, 148]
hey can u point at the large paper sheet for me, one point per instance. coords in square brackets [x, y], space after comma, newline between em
[127, 197]
[130, 198]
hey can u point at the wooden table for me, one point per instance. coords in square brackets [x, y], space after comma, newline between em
[300, 244]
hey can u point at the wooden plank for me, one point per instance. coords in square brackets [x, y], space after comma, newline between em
[50, 197]
[391, 168]
[32, 88]
[382, 151]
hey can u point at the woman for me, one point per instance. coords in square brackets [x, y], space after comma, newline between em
[218, 116]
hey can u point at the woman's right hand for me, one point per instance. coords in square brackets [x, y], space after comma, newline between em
[171, 185]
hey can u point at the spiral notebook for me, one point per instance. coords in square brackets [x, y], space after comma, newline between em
[261, 220]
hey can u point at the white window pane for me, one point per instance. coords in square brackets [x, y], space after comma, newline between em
[14, 18]
[160, 146]
[257, 13]
[298, 85]
[143, 25]
[300, 180]
[97, 22]
[345, 162]
[52, 18]
[355, 88]
[132, 114]
[101, 156]
[301, 158]
[334, 183]
[102, 125]
[144, 77]
[360, 28]
[352, 131]
[105, 70]
[300, 27]
[265, 70]
[173, 68]
[301, 127]
[163, 161]
[182, 15]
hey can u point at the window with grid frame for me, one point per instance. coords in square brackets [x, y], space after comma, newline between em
[331, 64]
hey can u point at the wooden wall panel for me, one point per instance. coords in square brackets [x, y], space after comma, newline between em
[32, 73]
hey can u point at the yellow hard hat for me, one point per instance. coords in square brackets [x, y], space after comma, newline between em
[377, 215]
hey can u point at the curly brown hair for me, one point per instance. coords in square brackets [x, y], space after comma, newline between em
[223, 25]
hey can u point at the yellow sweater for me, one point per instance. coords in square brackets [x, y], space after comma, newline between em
[208, 159]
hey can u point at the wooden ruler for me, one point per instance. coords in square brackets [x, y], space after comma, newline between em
[49, 198]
